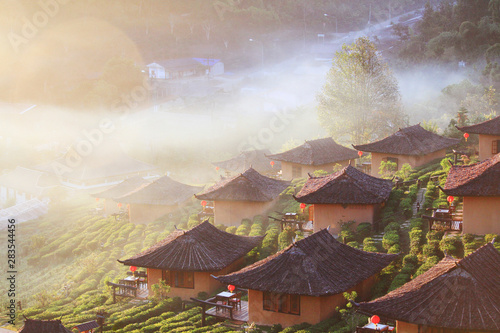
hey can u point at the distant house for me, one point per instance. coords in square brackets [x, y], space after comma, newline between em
[305, 282]
[118, 191]
[453, 296]
[413, 145]
[22, 184]
[186, 259]
[346, 195]
[43, 326]
[88, 327]
[185, 67]
[256, 159]
[479, 185]
[243, 196]
[153, 200]
[489, 137]
[320, 154]
[104, 166]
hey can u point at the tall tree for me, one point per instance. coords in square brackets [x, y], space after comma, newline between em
[360, 100]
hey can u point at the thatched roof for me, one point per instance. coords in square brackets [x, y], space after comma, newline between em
[43, 326]
[203, 248]
[119, 190]
[163, 191]
[454, 294]
[247, 186]
[488, 127]
[479, 179]
[347, 186]
[413, 140]
[256, 159]
[317, 265]
[316, 152]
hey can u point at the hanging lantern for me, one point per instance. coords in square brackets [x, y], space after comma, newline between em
[450, 198]
[466, 135]
[272, 164]
[133, 268]
[203, 203]
[375, 319]
[216, 168]
[119, 205]
[360, 153]
[96, 199]
[231, 288]
[302, 206]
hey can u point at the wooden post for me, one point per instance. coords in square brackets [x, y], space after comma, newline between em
[202, 315]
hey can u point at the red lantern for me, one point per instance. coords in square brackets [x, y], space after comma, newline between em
[216, 168]
[133, 268]
[375, 319]
[272, 164]
[450, 198]
[119, 205]
[302, 205]
[231, 288]
[203, 203]
[466, 135]
[360, 153]
[96, 199]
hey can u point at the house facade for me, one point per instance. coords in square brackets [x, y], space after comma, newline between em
[322, 154]
[243, 196]
[187, 259]
[489, 137]
[479, 186]
[456, 295]
[305, 282]
[413, 145]
[346, 195]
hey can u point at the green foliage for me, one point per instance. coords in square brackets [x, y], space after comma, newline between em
[363, 230]
[285, 238]
[431, 249]
[429, 262]
[390, 238]
[231, 229]
[160, 291]
[452, 246]
[387, 169]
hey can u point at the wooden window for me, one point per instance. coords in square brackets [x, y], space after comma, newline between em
[182, 279]
[495, 147]
[296, 171]
[165, 276]
[284, 303]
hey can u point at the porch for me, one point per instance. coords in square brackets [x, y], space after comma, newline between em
[211, 307]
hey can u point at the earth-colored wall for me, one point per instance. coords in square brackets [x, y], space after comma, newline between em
[332, 214]
[286, 168]
[413, 160]
[481, 215]
[485, 143]
[404, 327]
[230, 213]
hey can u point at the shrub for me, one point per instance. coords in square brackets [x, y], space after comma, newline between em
[430, 262]
[399, 280]
[363, 230]
[354, 244]
[410, 259]
[231, 229]
[394, 249]
[435, 235]
[390, 238]
[408, 269]
[347, 236]
[431, 249]
[490, 237]
[246, 222]
[452, 246]
[243, 230]
[393, 226]
[468, 238]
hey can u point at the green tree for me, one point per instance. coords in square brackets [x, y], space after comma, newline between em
[360, 100]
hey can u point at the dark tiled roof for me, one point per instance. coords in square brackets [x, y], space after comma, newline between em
[203, 248]
[43, 326]
[123, 188]
[454, 294]
[413, 140]
[488, 127]
[256, 159]
[316, 152]
[479, 179]
[347, 186]
[87, 326]
[163, 191]
[247, 186]
[315, 266]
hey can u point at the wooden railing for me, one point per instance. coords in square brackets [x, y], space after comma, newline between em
[125, 289]
[212, 302]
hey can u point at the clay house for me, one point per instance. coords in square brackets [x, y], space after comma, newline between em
[153, 200]
[321, 154]
[456, 295]
[186, 259]
[106, 197]
[305, 282]
[243, 196]
[489, 137]
[256, 159]
[346, 195]
[479, 186]
[413, 145]
[43, 326]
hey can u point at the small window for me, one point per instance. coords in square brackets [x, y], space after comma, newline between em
[296, 171]
[495, 147]
[182, 279]
[284, 303]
